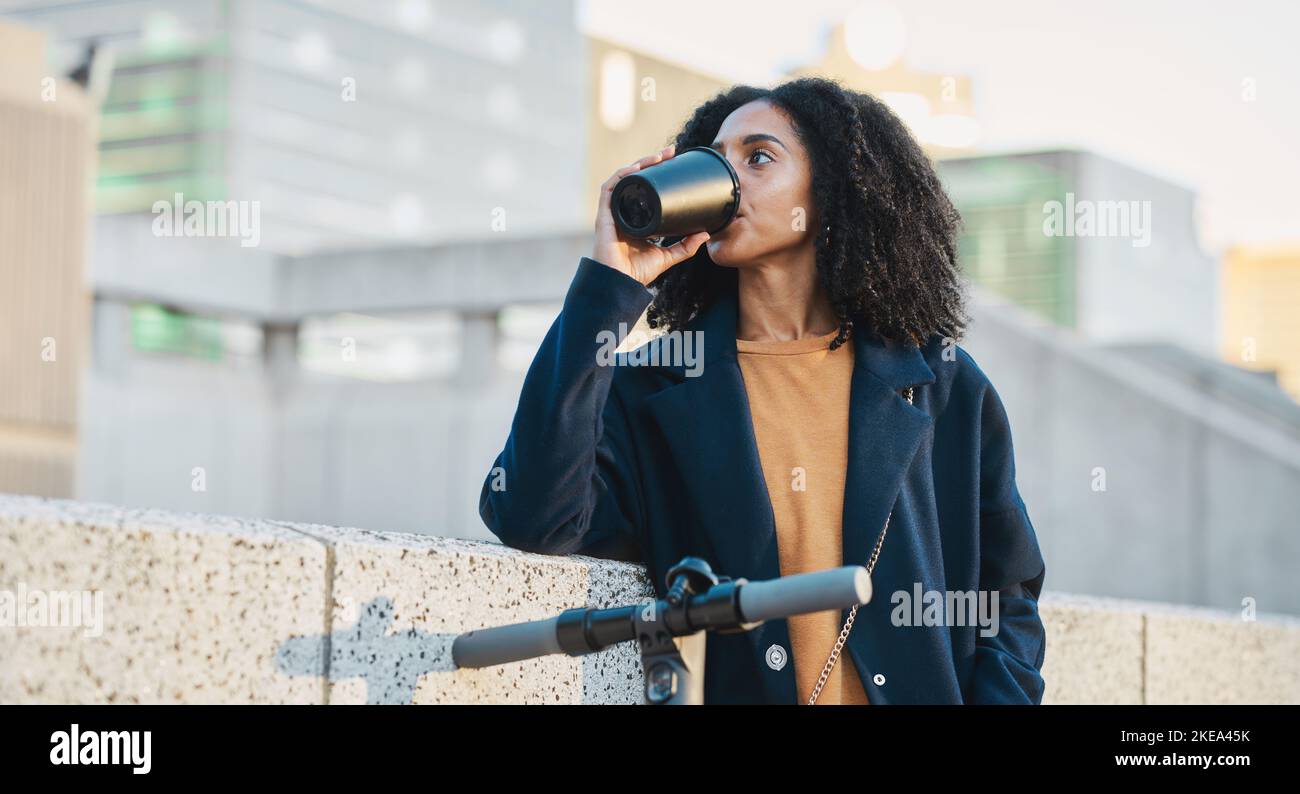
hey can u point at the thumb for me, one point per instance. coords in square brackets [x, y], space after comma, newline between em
[686, 248]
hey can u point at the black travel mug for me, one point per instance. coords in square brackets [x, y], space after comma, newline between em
[696, 190]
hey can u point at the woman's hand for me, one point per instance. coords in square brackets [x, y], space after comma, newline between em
[640, 259]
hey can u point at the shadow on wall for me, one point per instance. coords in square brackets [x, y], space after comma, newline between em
[390, 664]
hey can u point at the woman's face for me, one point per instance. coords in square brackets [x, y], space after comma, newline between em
[776, 211]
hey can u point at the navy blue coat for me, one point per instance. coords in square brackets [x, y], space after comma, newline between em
[647, 464]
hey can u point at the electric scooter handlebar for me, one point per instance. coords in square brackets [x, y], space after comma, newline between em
[502, 644]
[726, 606]
[818, 591]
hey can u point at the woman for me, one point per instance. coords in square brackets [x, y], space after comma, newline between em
[830, 398]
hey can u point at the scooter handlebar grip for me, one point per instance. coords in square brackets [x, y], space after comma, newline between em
[503, 644]
[818, 591]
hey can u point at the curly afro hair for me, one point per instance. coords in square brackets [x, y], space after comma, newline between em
[886, 252]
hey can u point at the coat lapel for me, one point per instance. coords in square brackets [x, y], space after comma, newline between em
[885, 432]
[706, 424]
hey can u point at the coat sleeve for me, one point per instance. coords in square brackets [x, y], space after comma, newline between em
[566, 482]
[1007, 665]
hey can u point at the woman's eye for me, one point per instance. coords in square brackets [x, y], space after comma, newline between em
[762, 152]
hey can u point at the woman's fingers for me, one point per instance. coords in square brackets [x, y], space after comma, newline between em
[666, 153]
[609, 242]
[608, 185]
[686, 247]
[651, 260]
[650, 159]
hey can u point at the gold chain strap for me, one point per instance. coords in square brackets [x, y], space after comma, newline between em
[848, 624]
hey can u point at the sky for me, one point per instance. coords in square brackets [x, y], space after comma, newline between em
[1203, 94]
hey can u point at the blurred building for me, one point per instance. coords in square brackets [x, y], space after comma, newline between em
[230, 378]
[1261, 312]
[353, 124]
[46, 162]
[864, 53]
[1089, 244]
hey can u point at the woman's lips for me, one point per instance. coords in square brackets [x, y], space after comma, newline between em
[731, 224]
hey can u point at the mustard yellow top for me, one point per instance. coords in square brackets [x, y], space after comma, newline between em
[798, 394]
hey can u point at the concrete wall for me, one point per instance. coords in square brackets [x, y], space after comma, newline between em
[212, 609]
[404, 457]
[1165, 290]
[275, 441]
[1146, 280]
[1142, 484]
